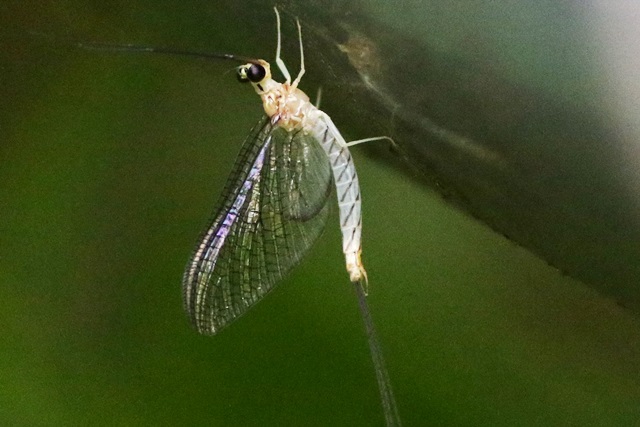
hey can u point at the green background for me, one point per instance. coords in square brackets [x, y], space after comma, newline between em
[109, 165]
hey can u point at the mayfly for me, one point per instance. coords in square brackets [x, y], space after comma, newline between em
[274, 205]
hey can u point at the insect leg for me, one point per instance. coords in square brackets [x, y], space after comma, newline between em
[302, 70]
[374, 138]
[279, 61]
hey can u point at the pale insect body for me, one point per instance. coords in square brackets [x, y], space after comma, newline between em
[290, 108]
[265, 242]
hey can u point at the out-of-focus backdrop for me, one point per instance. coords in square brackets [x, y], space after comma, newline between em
[501, 237]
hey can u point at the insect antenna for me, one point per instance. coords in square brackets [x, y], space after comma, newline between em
[112, 47]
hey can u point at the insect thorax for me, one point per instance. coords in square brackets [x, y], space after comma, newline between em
[288, 106]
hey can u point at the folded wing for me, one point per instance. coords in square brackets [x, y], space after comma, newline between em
[273, 208]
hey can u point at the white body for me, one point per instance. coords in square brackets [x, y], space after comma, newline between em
[290, 108]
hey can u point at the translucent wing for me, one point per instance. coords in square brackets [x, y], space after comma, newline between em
[272, 210]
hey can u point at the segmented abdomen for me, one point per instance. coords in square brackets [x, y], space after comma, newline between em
[346, 181]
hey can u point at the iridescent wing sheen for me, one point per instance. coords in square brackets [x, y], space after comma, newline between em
[272, 210]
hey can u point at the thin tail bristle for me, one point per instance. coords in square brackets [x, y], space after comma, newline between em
[391, 415]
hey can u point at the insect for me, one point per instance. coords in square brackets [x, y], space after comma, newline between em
[274, 205]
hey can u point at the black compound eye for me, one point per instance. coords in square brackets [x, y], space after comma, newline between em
[255, 72]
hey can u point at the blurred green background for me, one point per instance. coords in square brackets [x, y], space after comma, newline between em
[110, 164]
